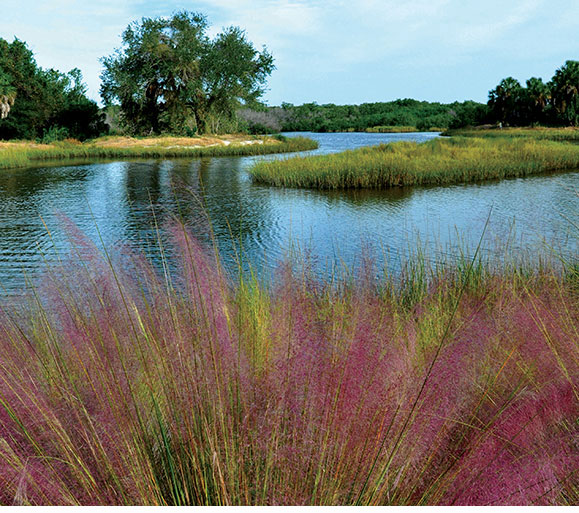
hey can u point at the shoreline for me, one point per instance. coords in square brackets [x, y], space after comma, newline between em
[19, 154]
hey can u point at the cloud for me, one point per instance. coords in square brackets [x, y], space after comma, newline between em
[368, 49]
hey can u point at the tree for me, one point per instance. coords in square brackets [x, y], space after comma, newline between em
[505, 101]
[169, 76]
[565, 92]
[33, 100]
[23, 90]
[536, 99]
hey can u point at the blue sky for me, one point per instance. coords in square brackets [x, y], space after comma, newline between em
[334, 51]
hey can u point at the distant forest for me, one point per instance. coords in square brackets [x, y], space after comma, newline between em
[381, 116]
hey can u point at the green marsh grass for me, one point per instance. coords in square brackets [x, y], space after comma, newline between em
[391, 129]
[570, 134]
[452, 384]
[29, 154]
[436, 162]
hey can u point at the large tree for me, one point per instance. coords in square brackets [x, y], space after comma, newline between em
[565, 92]
[170, 76]
[536, 98]
[505, 101]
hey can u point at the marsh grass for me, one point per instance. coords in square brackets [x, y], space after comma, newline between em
[445, 385]
[389, 129]
[24, 154]
[570, 134]
[436, 162]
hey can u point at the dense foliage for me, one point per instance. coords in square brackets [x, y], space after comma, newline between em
[554, 103]
[382, 115]
[42, 103]
[169, 76]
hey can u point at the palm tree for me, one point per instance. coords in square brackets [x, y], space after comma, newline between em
[505, 101]
[565, 92]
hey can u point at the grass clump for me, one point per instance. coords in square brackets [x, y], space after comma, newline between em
[25, 153]
[119, 386]
[570, 134]
[436, 162]
[381, 129]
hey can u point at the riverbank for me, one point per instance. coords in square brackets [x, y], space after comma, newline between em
[457, 385]
[14, 154]
[436, 162]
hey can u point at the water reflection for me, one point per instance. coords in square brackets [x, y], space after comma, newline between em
[122, 201]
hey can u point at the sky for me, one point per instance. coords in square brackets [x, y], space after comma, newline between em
[332, 51]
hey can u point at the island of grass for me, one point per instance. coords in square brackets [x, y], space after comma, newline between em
[15, 154]
[437, 162]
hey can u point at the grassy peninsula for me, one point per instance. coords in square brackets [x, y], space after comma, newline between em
[439, 161]
[26, 153]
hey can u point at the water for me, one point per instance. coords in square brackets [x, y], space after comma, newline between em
[119, 202]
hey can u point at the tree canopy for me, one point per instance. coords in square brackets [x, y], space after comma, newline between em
[34, 101]
[170, 76]
[565, 92]
[555, 102]
[367, 116]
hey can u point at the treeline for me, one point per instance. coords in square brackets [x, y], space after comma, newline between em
[553, 103]
[171, 77]
[43, 104]
[367, 116]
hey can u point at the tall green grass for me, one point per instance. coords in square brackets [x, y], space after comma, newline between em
[389, 129]
[450, 385]
[570, 134]
[28, 156]
[436, 162]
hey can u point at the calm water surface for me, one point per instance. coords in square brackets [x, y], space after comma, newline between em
[120, 200]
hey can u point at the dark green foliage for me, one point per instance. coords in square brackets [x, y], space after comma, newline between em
[565, 92]
[553, 103]
[364, 117]
[169, 76]
[469, 113]
[43, 100]
[505, 101]
[536, 101]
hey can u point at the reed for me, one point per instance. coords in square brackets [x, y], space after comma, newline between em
[436, 162]
[24, 154]
[387, 129]
[120, 386]
[570, 134]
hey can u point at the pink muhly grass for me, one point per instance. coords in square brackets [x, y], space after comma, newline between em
[122, 386]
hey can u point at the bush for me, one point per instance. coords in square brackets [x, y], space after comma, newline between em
[53, 134]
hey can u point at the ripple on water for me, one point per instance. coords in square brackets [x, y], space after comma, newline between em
[126, 198]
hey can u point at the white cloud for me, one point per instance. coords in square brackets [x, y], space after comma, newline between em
[368, 44]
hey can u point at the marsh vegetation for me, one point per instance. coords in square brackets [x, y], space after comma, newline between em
[445, 385]
[23, 154]
[439, 161]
